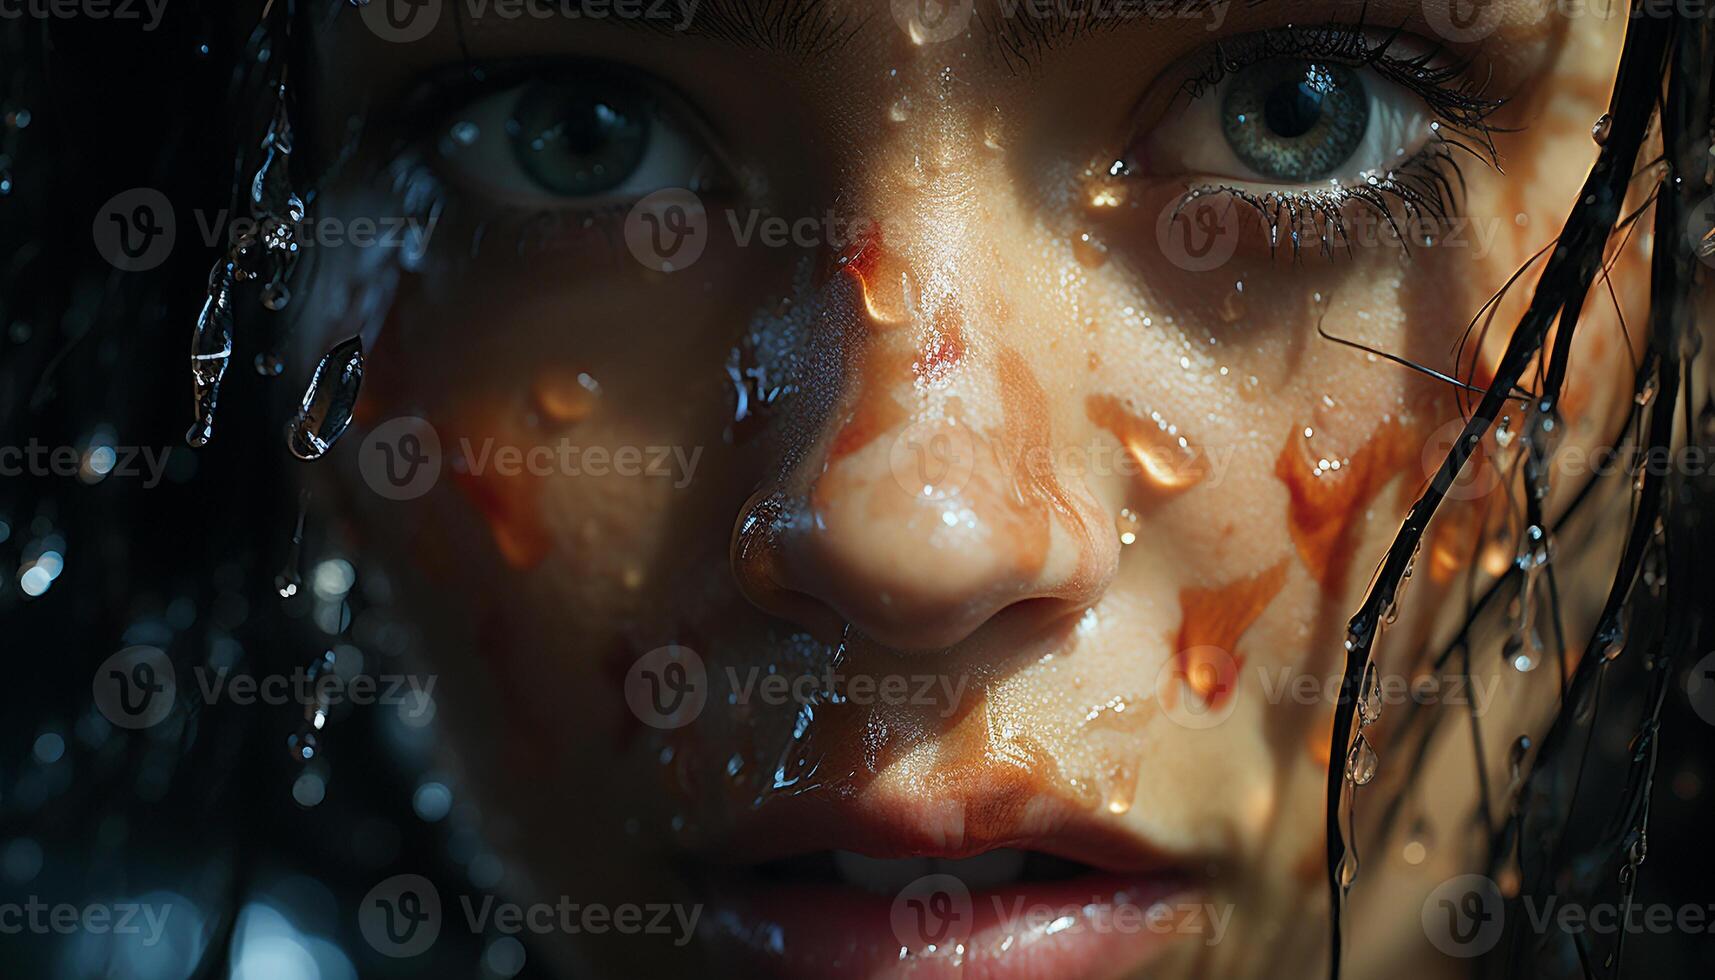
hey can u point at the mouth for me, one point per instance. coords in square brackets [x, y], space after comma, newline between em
[872, 891]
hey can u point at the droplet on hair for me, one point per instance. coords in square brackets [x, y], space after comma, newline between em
[1370, 696]
[290, 579]
[1361, 762]
[1516, 756]
[1603, 128]
[211, 351]
[328, 401]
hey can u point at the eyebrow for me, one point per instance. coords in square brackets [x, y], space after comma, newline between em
[1021, 32]
[795, 28]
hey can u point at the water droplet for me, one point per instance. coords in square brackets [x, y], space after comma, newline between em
[1089, 251]
[1361, 762]
[275, 296]
[303, 746]
[1107, 198]
[1370, 696]
[563, 397]
[270, 364]
[1603, 128]
[326, 408]
[1128, 524]
[1504, 435]
[1348, 871]
[994, 131]
[900, 110]
[1613, 641]
[1122, 787]
[290, 579]
[1646, 394]
[211, 351]
[1516, 756]
[1233, 306]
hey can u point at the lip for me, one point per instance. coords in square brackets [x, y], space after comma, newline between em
[1109, 921]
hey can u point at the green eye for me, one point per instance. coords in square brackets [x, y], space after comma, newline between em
[1294, 120]
[577, 138]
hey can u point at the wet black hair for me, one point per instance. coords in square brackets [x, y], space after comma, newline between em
[95, 358]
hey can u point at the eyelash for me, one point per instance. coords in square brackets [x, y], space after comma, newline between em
[1429, 184]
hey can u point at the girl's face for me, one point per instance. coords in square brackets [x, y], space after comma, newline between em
[874, 438]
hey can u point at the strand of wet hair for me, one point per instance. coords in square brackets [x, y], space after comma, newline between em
[1567, 276]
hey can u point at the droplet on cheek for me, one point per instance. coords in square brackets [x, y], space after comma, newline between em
[1166, 462]
[1089, 250]
[561, 396]
[1212, 621]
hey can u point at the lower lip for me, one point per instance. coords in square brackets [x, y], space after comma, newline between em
[1097, 925]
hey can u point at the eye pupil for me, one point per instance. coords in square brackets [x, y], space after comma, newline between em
[1293, 109]
[577, 138]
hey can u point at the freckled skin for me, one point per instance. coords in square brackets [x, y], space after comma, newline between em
[965, 349]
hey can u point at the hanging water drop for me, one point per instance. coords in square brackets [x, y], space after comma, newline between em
[1504, 435]
[1370, 696]
[1646, 393]
[1348, 870]
[1516, 756]
[1602, 129]
[1613, 641]
[289, 579]
[1361, 761]
[328, 401]
[211, 350]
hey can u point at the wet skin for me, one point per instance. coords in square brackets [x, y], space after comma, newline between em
[995, 435]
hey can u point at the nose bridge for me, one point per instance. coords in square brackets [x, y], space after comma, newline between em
[932, 504]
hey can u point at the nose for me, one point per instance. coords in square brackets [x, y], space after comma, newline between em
[931, 502]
